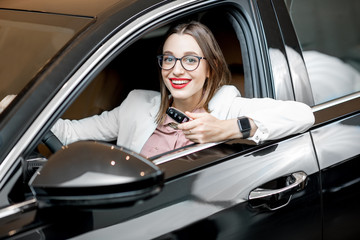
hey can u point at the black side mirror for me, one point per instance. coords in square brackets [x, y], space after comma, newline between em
[95, 174]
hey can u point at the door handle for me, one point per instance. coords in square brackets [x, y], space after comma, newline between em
[279, 197]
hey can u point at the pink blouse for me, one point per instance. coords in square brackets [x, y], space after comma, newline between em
[165, 138]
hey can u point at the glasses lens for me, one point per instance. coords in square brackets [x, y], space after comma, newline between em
[166, 61]
[190, 62]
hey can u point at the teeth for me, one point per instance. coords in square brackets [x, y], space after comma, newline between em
[178, 82]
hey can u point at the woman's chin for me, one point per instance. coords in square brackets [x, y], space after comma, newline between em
[180, 97]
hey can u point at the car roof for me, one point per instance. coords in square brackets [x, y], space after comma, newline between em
[89, 8]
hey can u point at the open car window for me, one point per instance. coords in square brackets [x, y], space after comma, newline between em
[118, 78]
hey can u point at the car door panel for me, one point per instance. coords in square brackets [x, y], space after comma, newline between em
[218, 196]
[337, 148]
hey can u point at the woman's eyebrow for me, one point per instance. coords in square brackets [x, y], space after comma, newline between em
[191, 53]
[186, 53]
[168, 52]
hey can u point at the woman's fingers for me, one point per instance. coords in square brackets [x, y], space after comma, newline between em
[203, 128]
[197, 119]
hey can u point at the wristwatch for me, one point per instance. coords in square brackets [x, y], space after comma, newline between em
[244, 126]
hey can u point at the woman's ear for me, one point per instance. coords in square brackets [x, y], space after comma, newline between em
[208, 71]
[208, 67]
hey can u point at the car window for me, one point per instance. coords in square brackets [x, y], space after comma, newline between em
[27, 42]
[112, 85]
[330, 39]
[118, 78]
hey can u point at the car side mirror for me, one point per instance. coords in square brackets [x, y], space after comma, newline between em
[92, 174]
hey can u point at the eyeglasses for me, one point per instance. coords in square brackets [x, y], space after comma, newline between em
[188, 62]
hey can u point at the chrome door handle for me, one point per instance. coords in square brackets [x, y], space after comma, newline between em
[276, 198]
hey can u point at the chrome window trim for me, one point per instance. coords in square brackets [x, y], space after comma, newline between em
[335, 102]
[101, 53]
[18, 208]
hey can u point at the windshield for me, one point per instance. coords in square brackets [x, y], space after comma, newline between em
[29, 40]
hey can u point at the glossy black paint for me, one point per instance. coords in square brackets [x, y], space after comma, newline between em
[200, 189]
[95, 174]
[293, 54]
[243, 221]
[339, 159]
[341, 188]
[276, 52]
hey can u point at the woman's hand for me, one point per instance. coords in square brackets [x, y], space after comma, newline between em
[206, 128]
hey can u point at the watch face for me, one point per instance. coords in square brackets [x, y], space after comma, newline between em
[244, 124]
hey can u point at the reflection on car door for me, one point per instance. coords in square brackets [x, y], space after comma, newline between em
[212, 203]
[337, 147]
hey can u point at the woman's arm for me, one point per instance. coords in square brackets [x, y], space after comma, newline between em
[274, 118]
[105, 127]
[99, 127]
[269, 119]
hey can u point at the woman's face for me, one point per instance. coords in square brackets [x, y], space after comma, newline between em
[184, 85]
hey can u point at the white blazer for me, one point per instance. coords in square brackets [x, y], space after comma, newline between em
[133, 122]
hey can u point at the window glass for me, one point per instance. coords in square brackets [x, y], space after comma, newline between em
[27, 42]
[328, 31]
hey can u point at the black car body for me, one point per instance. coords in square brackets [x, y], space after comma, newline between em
[72, 59]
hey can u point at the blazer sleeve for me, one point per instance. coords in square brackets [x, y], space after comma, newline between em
[127, 117]
[98, 127]
[103, 127]
[274, 118]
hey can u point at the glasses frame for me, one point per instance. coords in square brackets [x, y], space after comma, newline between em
[160, 57]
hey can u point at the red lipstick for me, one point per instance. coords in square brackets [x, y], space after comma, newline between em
[179, 83]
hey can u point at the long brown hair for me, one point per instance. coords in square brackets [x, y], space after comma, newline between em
[219, 73]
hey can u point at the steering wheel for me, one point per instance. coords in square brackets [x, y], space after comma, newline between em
[52, 142]
[29, 167]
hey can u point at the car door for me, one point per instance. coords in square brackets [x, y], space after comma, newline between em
[330, 43]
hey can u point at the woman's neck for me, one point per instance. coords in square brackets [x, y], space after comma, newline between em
[184, 105]
[187, 104]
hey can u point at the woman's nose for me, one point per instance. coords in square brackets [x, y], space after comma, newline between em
[178, 68]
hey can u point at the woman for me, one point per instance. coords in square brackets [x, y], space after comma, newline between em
[193, 78]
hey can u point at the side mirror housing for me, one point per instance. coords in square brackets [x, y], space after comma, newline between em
[90, 173]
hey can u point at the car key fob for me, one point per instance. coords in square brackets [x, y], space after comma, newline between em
[177, 115]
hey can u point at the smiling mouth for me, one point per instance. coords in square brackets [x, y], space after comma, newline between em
[179, 83]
